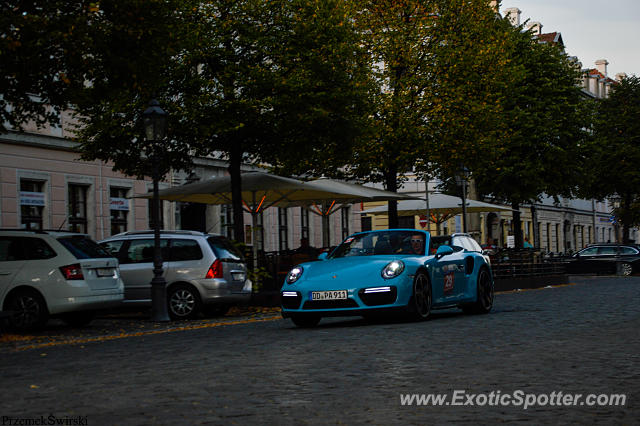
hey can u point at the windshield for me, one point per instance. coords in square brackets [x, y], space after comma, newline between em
[382, 242]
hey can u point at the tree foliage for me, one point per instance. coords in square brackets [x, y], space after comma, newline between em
[37, 70]
[251, 80]
[543, 128]
[435, 64]
[614, 152]
[134, 54]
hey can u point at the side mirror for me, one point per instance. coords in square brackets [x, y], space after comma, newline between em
[443, 251]
[323, 256]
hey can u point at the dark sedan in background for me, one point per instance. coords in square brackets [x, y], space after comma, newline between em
[605, 258]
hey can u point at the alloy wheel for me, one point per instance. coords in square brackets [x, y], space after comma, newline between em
[422, 296]
[182, 303]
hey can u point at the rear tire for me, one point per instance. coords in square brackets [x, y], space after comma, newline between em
[626, 269]
[29, 311]
[305, 321]
[183, 302]
[485, 294]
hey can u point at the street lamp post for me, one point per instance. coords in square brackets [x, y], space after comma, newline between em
[462, 179]
[155, 124]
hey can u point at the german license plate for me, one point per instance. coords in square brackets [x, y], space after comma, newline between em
[105, 272]
[329, 295]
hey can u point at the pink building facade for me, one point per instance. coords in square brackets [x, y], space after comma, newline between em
[44, 185]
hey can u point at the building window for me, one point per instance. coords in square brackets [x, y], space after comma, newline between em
[283, 230]
[304, 223]
[365, 223]
[119, 208]
[409, 222]
[259, 232]
[78, 208]
[344, 213]
[150, 206]
[226, 220]
[31, 204]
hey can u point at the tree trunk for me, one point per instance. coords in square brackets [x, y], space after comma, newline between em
[517, 225]
[391, 184]
[235, 161]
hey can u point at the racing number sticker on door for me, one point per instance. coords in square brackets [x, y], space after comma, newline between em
[448, 283]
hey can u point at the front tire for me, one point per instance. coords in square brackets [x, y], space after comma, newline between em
[305, 321]
[29, 311]
[420, 303]
[485, 294]
[626, 269]
[184, 302]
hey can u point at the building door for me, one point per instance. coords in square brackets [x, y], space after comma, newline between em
[193, 217]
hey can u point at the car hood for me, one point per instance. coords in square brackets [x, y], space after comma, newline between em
[356, 269]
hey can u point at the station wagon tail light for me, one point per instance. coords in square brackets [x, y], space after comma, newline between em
[215, 270]
[72, 272]
[393, 269]
[294, 274]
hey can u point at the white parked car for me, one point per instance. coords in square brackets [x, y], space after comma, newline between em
[62, 274]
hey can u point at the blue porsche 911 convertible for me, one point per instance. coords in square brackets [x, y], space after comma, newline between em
[390, 270]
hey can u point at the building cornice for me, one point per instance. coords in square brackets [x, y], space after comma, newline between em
[40, 141]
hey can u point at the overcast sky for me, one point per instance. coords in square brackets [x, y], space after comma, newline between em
[590, 29]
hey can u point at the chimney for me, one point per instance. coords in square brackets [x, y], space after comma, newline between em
[513, 15]
[601, 65]
[621, 76]
[536, 27]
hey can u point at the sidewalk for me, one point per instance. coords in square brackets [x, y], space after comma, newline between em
[125, 324]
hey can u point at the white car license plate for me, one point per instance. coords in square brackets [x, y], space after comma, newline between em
[329, 295]
[238, 276]
[105, 272]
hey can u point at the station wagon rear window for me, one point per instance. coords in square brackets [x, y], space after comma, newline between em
[83, 248]
[223, 249]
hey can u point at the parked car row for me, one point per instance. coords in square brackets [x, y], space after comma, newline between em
[67, 275]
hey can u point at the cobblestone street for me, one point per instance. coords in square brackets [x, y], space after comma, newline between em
[256, 368]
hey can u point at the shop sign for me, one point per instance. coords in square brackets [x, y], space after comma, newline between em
[119, 204]
[28, 198]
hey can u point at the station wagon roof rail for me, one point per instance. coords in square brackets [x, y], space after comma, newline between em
[175, 232]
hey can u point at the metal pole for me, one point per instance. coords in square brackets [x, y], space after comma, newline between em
[159, 311]
[254, 225]
[464, 205]
[326, 235]
[593, 209]
[426, 190]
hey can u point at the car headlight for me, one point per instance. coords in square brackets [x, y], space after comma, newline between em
[294, 274]
[393, 269]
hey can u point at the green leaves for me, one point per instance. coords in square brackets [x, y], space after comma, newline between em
[614, 150]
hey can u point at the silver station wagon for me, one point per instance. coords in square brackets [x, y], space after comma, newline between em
[51, 273]
[204, 272]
